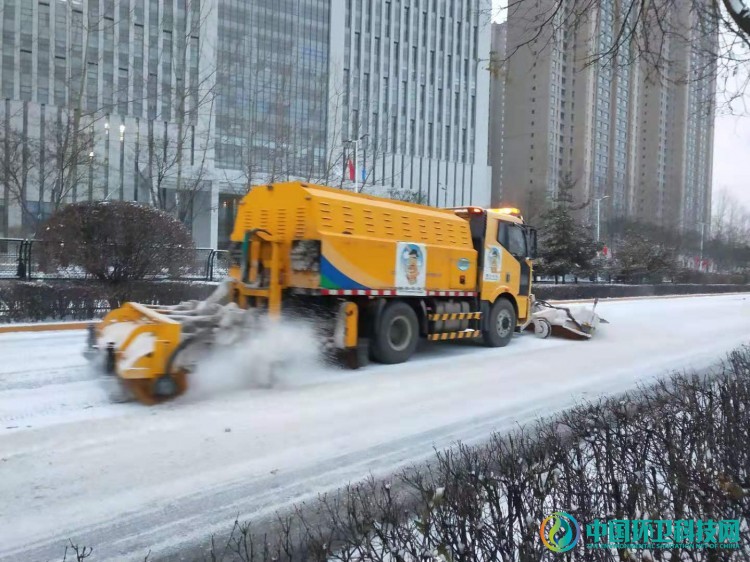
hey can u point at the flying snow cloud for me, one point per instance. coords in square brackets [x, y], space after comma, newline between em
[278, 354]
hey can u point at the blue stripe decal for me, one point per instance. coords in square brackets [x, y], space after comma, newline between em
[339, 281]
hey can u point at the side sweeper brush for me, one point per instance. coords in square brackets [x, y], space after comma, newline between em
[145, 352]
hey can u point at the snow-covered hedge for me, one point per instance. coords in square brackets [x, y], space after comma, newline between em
[679, 450]
[40, 301]
[115, 241]
[592, 291]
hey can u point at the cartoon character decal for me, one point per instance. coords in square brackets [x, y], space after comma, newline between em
[411, 268]
[492, 263]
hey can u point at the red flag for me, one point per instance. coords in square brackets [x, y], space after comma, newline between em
[351, 170]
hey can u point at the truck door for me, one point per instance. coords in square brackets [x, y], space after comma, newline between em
[500, 271]
[517, 248]
[516, 269]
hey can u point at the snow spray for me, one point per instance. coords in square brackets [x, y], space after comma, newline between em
[276, 354]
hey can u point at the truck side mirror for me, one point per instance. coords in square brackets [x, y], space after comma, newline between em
[531, 242]
[245, 258]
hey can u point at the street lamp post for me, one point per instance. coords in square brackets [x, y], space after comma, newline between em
[364, 159]
[106, 160]
[476, 67]
[136, 164]
[476, 89]
[122, 162]
[700, 265]
[91, 176]
[598, 215]
[356, 165]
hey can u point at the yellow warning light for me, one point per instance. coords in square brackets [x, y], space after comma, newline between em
[509, 211]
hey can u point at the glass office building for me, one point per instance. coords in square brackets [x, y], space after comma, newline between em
[183, 103]
[273, 64]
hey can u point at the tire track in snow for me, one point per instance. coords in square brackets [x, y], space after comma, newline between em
[131, 536]
[166, 478]
[50, 404]
[44, 380]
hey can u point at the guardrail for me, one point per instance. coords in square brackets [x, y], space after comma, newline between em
[18, 260]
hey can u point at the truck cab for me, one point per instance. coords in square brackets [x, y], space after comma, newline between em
[506, 247]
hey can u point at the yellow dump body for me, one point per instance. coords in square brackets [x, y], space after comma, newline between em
[365, 242]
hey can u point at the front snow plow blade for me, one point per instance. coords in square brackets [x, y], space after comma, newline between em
[578, 323]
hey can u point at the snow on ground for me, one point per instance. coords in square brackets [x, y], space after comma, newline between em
[126, 478]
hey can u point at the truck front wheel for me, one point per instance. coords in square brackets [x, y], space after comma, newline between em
[396, 335]
[501, 323]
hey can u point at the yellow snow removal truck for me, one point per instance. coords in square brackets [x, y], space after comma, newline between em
[374, 275]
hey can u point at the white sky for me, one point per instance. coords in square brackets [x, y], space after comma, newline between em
[731, 165]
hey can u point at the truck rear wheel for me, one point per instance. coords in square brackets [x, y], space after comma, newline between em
[501, 324]
[396, 335]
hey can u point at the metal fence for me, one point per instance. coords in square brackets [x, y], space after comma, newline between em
[21, 259]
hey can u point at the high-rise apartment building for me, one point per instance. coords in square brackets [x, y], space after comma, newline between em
[619, 129]
[183, 103]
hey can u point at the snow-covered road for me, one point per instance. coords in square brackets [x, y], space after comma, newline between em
[127, 479]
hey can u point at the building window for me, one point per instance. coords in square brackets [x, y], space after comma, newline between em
[25, 74]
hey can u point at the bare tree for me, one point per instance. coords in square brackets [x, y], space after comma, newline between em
[407, 196]
[54, 167]
[175, 167]
[67, 149]
[174, 186]
[14, 162]
[328, 169]
[272, 149]
[731, 220]
[44, 171]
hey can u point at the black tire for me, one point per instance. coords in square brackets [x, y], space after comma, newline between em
[501, 324]
[396, 334]
[165, 387]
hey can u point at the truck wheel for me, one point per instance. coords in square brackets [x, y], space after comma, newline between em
[542, 328]
[396, 335]
[501, 324]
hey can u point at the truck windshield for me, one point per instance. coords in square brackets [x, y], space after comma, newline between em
[512, 236]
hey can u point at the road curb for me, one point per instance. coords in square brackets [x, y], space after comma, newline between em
[45, 327]
[649, 297]
[63, 326]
